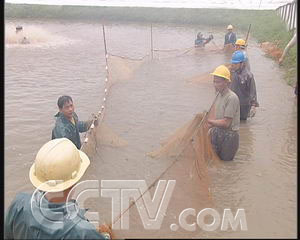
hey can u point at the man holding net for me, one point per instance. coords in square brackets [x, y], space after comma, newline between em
[225, 119]
[67, 124]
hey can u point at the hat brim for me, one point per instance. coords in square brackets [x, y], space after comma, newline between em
[43, 186]
[214, 74]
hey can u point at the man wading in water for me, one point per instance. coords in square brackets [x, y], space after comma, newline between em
[243, 84]
[67, 124]
[230, 37]
[240, 44]
[51, 212]
[19, 32]
[224, 125]
[201, 41]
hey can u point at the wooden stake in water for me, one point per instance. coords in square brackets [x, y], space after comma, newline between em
[151, 43]
[105, 49]
[247, 34]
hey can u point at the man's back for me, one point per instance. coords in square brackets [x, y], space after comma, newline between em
[243, 84]
[36, 218]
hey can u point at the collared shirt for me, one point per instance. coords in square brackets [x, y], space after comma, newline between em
[65, 128]
[230, 38]
[243, 84]
[32, 216]
[228, 105]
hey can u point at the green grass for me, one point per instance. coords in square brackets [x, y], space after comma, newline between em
[265, 24]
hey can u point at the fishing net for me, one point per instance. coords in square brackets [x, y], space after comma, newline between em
[172, 53]
[118, 69]
[122, 68]
[186, 156]
[191, 139]
[229, 49]
[203, 78]
[189, 156]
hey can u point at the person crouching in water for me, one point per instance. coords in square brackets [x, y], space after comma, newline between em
[240, 45]
[201, 41]
[225, 120]
[67, 124]
[243, 84]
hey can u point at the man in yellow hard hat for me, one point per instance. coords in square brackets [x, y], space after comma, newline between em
[230, 37]
[240, 45]
[225, 120]
[50, 212]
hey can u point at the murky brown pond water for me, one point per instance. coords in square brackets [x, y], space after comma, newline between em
[69, 59]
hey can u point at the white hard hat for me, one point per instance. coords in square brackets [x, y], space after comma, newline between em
[229, 27]
[58, 166]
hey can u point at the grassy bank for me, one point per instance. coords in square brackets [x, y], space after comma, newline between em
[266, 25]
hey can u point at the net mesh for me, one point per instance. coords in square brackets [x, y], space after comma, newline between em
[203, 78]
[172, 53]
[119, 69]
[188, 152]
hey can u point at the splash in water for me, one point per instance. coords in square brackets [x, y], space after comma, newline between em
[30, 35]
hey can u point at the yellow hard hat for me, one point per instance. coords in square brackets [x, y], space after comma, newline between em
[58, 166]
[229, 27]
[240, 42]
[222, 71]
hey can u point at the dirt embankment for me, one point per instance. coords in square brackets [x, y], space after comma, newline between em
[272, 49]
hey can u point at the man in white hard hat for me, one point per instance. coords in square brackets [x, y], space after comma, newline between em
[50, 212]
[230, 37]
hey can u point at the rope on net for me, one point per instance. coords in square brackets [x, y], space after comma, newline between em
[100, 116]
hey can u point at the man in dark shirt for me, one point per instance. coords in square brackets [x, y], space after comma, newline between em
[243, 84]
[230, 37]
[67, 124]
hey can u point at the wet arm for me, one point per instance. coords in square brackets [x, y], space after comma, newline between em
[253, 96]
[224, 122]
[83, 126]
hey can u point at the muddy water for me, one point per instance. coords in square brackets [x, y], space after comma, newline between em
[145, 110]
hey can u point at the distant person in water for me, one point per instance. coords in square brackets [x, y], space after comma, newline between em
[230, 37]
[22, 39]
[19, 29]
[201, 41]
